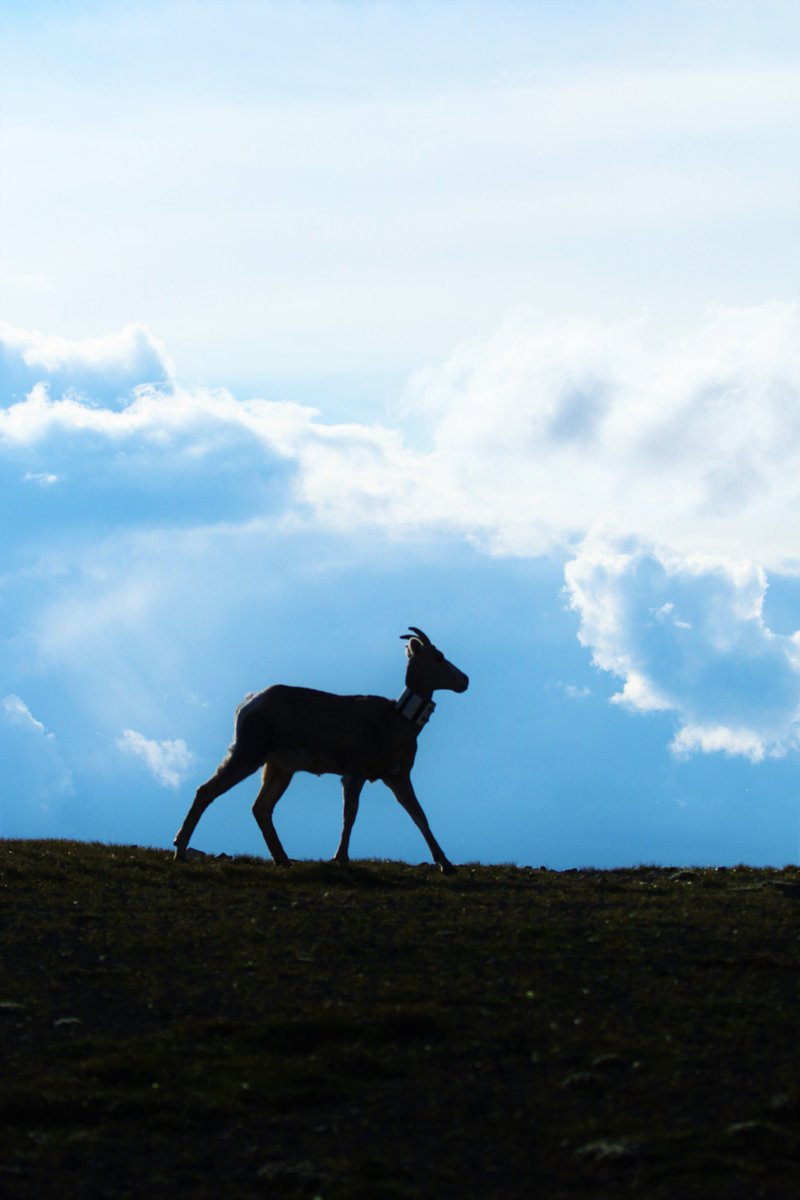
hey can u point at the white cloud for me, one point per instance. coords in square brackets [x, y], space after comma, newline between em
[168, 761]
[43, 478]
[527, 440]
[551, 426]
[17, 713]
[712, 739]
[549, 435]
[573, 691]
[37, 779]
[731, 682]
[103, 368]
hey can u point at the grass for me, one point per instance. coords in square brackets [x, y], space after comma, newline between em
[223, 1027]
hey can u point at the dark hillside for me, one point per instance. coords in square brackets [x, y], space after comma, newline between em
[225, 1028]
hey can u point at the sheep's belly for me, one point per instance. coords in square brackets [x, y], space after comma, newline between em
[313, 761]
[317, 762]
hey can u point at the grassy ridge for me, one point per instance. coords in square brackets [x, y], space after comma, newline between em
[227, 1028]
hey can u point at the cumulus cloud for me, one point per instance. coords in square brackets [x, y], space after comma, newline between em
[550, 426]
[686, 635]
[177, 417]
[169, 762]
[531, 441]
[103, 368]
[525, 440]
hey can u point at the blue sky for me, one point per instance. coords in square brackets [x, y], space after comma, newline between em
[324, 319]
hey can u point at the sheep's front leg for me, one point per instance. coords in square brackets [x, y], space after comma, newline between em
[351, 790]
[404, 794]
[274, 784]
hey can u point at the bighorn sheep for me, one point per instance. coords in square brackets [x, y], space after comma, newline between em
[288, 729]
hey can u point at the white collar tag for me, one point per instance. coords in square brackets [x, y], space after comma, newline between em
[414, 708]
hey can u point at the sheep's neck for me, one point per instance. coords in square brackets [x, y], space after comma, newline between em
[414, 708]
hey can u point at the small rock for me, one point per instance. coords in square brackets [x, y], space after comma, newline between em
[755, 1132]
[609, 1153]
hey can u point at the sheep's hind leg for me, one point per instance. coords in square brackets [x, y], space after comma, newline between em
[351, 788]
[274, 784]
[232, 771]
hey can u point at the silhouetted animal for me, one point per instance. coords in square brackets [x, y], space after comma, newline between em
[288, 729]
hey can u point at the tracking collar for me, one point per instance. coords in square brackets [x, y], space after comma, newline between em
[414, 708]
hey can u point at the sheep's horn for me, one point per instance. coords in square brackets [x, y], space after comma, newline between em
[423, 637]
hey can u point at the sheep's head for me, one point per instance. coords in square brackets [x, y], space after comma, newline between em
[428, 670]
